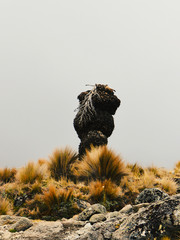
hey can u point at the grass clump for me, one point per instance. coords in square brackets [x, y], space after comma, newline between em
[31, 173]
[7, 175]
[5, 206]
[135, 169]
[60, 163]
[50, 190]
[101, 164]
[53, 202]
[168, 184]
[102, 191]
[177, 168]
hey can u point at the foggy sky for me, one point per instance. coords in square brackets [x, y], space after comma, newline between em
[49, 51]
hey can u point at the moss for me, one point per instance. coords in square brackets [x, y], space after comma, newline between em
[12, 230]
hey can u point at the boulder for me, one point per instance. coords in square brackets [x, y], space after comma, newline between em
[93, 209]
[94, 122]
[149, 195]
[97, 218]
[143, 221]
[161, 218]
[21, 225]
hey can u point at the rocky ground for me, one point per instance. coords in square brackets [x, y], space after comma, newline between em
[155, 215]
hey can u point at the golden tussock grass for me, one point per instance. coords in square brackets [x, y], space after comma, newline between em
[60, 163]
[135, 169]
[168, 185]
[7, 174]
[102, 191]
[158, 172]
[5, 207]
[177, 168]
[53, 196]
[148, 180]
[31, 172]
[101, 164]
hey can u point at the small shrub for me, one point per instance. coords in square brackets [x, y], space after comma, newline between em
[101, 164]
[7, 175]
[30, 173]
[5, 206]
[60, 163]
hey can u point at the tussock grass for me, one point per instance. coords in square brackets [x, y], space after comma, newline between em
[158, 172]
[101, 164]
[102, 191]
[7, 174]
[177, 168]
[148, 180]
[135, 169]
[30, 173]
[54, 196]
[53, 202]
[168, 184]
[60, 163]
[5, 206]
[51, 188]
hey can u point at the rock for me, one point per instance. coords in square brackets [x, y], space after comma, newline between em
[97, 218]
[127, 209]
[112, 215]
[21, 225]
[73, 223]
[94, 122]
[95, 137]
[88, 212]
[149, 195]
[51, 228]
[158, 219]
[82, 204]
[7, 219]
[136, 207]
[144, 221]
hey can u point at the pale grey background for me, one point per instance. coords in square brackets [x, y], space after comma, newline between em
[49, 50]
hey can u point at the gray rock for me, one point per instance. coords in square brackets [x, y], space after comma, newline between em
[7, 219]
[82, 204]
[158, 219]
[139, 206]
[107, 235]
[97, 218]
[127, 209]
[149, 195]
[147, 221]
[88, 212]
[112, 215]
[21, 225]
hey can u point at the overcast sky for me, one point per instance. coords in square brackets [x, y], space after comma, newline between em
[49, 51]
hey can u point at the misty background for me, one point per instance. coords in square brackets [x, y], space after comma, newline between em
[49, 51]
